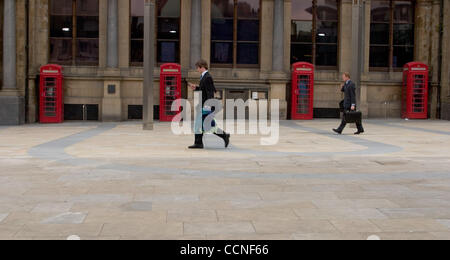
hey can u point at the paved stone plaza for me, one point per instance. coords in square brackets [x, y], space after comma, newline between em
[115, 181]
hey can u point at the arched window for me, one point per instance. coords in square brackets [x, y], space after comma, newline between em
[74, 32]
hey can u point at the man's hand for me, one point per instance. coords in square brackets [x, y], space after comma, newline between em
[192, 86]
[353, 108]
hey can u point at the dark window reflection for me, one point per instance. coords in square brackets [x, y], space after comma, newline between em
[248, 30]
[168, 8]
[64, 41]
[247, 53]
[402, 55]
[137, 51]
[222, 9]
[301, 52]
[168, 51]
[380, 11]
[222, 52]
[167, 35]
[301, 31]
[87, 7]
[326, 55]
[315, 44]
[327, 32]
[391, 33]
[379, 33]
[222, 29]
[137, 28]
[403, 34]
[61, 7]
[87, 51]
[61, 51]
[61, 26]
[168, 28]
[403, 12]
[87, 27]
[379, 56]
[244, 36]
[248, 9]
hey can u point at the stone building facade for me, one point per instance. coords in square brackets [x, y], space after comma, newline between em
[100, 46]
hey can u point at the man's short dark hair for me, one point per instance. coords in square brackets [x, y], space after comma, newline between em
[201, 64]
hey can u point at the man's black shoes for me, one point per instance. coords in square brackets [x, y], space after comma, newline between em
[359, 132]
[226, 139]
[198, 142]
[196, 146]
[337, 131]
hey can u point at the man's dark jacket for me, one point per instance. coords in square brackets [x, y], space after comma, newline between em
[349, 90]
[207, 88]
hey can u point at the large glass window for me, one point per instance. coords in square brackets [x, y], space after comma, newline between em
[391, 33]
[314, 32]
[74, 32]
[235, 32]
[167, 33]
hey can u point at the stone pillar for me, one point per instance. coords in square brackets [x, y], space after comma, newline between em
[287, 34]
[124, 32]
[9, 45]
[434, 43]
[112, 102]
[12, 107]
[266, 36]
[445, 77]
[206, 30]
[278, 36]
[185, 37]
[358, 43]
[149, 63]
[422, 31]
[112, 58]
[196, 32]
[279, 78]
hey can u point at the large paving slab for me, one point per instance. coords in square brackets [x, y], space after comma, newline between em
[116, 181]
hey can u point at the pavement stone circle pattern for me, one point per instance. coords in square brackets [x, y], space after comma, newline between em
[115, 181]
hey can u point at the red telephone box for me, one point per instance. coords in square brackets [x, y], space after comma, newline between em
[415, 91]
[51, 105]
[170, 87]
[302, 91]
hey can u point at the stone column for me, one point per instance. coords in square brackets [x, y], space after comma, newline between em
[124, 32]
[358, 44]
[9, 45]
[278, 77]
[149, 63]
[206, 30]
[434, 42]
[278, 36]
[12, 105]
[196, 32]
[112, 58]
[266, 36]
[445, 77]
[112, 101]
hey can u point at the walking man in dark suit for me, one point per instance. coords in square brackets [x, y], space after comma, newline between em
[349, 103]
[208, 90]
